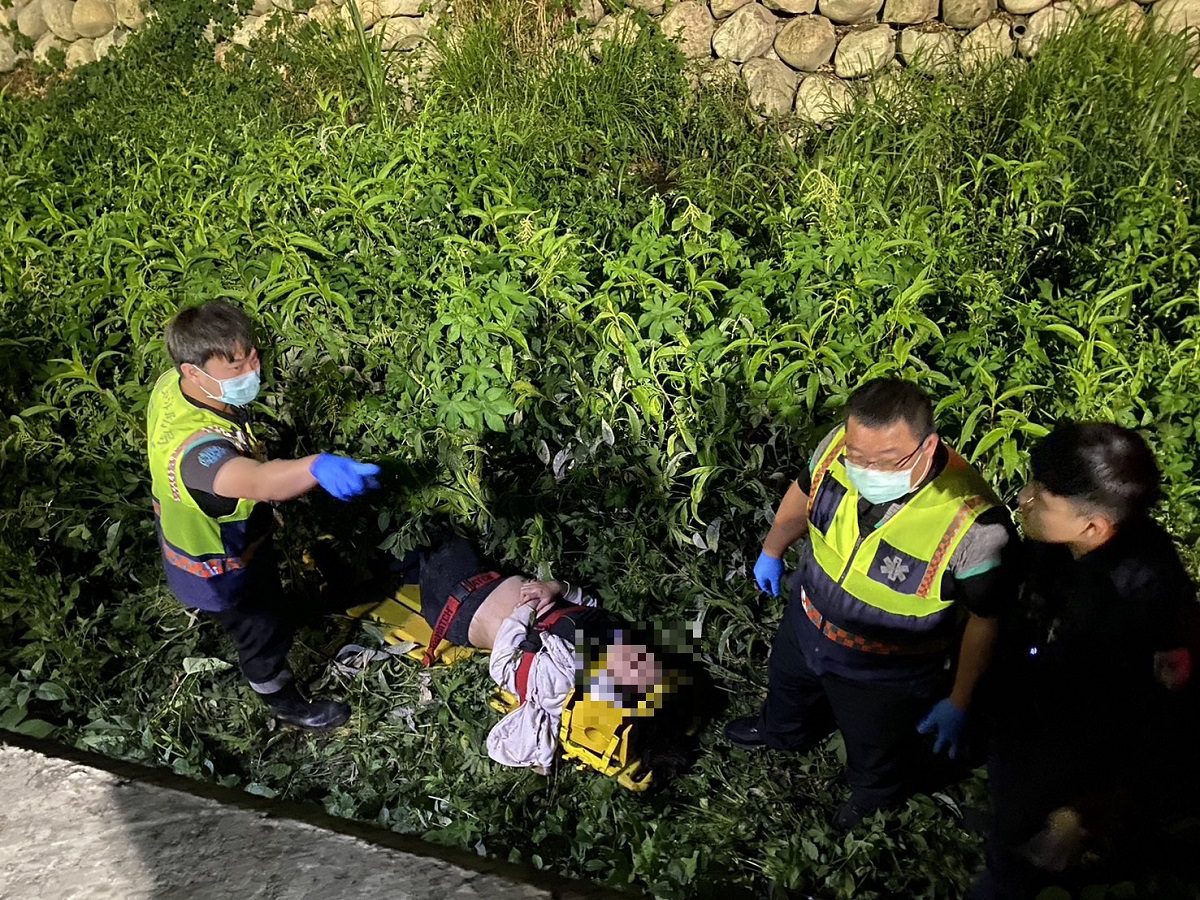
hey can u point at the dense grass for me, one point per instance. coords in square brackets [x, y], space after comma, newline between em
[541, 265]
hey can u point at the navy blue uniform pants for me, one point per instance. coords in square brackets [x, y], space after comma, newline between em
[886, 759]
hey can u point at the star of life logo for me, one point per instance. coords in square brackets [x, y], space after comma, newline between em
[894, 569]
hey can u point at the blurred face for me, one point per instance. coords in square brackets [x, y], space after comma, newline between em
[633, 666]
[1054, 519]
[892, 448]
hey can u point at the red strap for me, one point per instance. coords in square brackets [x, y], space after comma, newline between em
[450, 611]
[548, 621]
[525, 666]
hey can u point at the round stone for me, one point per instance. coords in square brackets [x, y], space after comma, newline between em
[1177, 15]
[8, 54]
[80, 53]
[771, 86]
[130, 14]
[849, 12]
[591, 11]
[1044, 24]
[103, 45]
[93, 18]
[967, 14]
[821, 99]
[910, 12]
[791, 7]
[31, 21]
[748, 33]
[930, 51]
[806, 42]
[864, 50]
[1132, 16]
[986, 45]
[620, 29]
[1023, 7]
[58, 15]
[722, 8]
[47, 42]
[402, 33]
[691, 25]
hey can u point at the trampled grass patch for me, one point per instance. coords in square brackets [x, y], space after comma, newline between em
[595, 317]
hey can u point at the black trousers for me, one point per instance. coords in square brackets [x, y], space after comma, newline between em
[886, 760]
[262, 627]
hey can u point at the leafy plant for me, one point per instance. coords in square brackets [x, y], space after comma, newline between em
[597, 316]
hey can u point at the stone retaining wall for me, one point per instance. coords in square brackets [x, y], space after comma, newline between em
[794, 56]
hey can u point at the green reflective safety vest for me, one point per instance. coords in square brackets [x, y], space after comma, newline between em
[890, 579]
[205, 557]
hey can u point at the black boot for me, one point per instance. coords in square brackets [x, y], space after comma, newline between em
[744, 733]
[291, 708]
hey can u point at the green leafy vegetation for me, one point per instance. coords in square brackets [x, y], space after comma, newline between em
[594, 316]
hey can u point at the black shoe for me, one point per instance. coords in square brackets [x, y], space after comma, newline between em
[850, 815]
[290, 708]
[744, 733]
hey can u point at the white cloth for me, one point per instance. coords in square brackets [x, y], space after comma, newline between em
[528, 736]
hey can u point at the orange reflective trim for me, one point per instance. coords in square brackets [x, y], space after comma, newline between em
[941, 556]
[209, 568]
[835, 448]
[844, 638]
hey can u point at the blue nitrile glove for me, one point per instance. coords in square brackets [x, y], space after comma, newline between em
[768, 573]
[344, 477]
[948, 721]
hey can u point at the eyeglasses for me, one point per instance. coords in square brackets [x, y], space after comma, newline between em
[884, 466]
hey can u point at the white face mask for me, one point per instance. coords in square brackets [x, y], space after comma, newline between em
[875, 486]
[236, 391]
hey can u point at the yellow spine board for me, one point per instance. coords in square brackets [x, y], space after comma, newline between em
[403, 623]
[594, 733]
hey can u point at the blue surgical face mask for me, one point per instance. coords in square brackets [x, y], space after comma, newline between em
[236, 391]
[875, 486]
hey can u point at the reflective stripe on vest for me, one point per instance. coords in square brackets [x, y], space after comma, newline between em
[891, 578]
[192, 541]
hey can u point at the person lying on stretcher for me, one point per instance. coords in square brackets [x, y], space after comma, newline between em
[552, 646]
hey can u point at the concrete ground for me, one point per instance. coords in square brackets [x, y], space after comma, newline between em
[69, 829]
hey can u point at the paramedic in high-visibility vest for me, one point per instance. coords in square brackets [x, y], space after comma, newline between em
[213, 494]
[906, 561]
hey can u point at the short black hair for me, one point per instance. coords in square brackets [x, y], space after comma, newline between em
[215, 328]
[884, 401]
[1103, 466]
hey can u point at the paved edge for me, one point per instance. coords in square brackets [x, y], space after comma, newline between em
[558, 886]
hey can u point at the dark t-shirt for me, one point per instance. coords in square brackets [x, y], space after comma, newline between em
[198, 469]
[199, 466]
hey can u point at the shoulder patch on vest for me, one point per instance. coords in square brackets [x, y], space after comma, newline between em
[210, 456]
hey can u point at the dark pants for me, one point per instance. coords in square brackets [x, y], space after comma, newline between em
[1123, 759]
[262, 626]
[885, 757]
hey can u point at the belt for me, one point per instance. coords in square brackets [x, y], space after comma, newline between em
[844, 638]
[465, 588]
